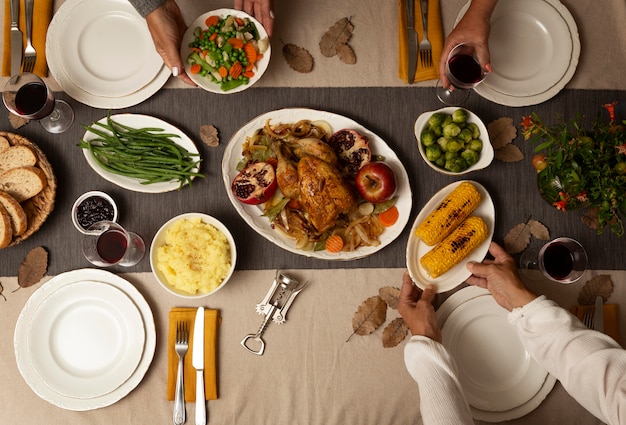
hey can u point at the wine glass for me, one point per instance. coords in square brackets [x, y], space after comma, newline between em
[464, 72]
[562, 260]
[26, 95]
[106, 243]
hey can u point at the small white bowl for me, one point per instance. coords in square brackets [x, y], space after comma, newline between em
[85, 196]
[159, 241]
[486, 155]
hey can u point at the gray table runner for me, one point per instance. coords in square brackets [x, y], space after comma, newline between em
[389, 112]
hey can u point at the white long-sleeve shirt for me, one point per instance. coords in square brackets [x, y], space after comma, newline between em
[590, 365]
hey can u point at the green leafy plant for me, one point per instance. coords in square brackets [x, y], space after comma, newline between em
[582, 167]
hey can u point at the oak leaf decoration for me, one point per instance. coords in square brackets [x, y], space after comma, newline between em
[209, 135]
[369, 316]
[518, 238]
[33, 267]
[346, 54]
[509, 153]
[335, 41]
[394, 333]
[538, 230]
[16, 121]
[1, 291]
[298, 58]
[390, 295]
[600, 285]
[590, 218]
[501, 132]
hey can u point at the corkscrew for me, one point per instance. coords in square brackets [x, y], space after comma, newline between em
[274, 307]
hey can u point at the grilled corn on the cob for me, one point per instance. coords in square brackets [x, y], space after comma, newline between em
[465, 238]
[455, 208]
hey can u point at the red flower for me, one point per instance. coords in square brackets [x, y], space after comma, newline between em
[560, 205]
[582, 196]
[611, 108]
[621, 149]
[526, 122]
[564, 196]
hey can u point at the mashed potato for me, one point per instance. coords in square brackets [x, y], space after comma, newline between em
[195, 257]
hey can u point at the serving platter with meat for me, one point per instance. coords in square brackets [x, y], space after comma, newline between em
[290, 174]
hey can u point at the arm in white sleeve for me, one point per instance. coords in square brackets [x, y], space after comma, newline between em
[442, 400]
[590, 365]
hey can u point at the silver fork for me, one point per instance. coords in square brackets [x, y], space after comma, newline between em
[181, 346]
[426, 49]
[588, 318]
[30, 55]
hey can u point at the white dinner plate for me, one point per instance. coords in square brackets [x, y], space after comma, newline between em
[74, 67]
[189, 37]
[25, 322]
[534, 48]
[140, 121]
[253, 214]
[500, 379]
[416, 248]
[86, 339]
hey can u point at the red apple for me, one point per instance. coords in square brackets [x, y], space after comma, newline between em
[376, 182]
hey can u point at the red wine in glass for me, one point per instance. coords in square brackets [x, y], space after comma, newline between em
[562, 260]
[111, 245]
[32, 99]
[106, 243]
[465, 71]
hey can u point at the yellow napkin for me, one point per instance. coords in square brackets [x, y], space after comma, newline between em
[42, 13]
[211, 322]
[611, 324]
[435, 35]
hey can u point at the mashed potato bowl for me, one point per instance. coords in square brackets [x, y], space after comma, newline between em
[193, 255]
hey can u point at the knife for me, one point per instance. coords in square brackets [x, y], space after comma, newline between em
[16, 38]
[411, 39]
[197, 361]
[598, 315]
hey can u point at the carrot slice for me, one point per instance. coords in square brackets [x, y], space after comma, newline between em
[213, 36]
[389, 216]
[248, 74]
[212, 20]
[334, 243]
[223, 71]
[239, 22]
[237, 43]
[235, 70]
[251, 52]
[195, 68]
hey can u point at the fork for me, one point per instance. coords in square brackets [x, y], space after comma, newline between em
[588, 318]
[30, 54]
[426, 50]
[181, 346]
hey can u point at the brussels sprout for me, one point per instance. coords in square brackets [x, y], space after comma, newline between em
[436, 119]
[441, 161]
[438, 130]
[451, 130]
[447, 120]
[460, 115]
[475, 145]
[433, 152]
[428, 137]
[450, 155]
[470, 156]
[475, 130]
[456, 165]
[442, 142]
[465, 135]
[454, 145]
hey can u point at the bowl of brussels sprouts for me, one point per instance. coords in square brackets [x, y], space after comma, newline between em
[453, 141]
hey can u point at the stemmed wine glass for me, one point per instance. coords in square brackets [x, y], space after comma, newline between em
[562, 260]
[26, 95]
[464, 73]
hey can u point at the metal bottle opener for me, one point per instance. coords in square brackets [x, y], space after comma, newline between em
[274, 306]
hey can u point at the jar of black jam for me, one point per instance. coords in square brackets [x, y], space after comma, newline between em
[92, 207]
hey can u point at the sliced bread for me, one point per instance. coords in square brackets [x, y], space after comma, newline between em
[4, 143]
[6, 231]
[17, 156]
[19, 221]
[23, 183]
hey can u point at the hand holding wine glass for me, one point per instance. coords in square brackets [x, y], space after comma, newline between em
[26, 95]
[464, 73]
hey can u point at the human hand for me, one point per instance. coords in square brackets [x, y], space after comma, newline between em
[167, 28]
[260, 9]
[416, 308]
[499, 276]
[472, 30]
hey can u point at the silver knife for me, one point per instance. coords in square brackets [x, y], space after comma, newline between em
[197, 361]
[16, 38]
[598, 315]
[411, 39]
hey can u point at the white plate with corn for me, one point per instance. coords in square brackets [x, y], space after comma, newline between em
[455, 226]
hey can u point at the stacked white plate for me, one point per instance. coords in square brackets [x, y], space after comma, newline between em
[102, 54]
[534, 47]
[499, 377]
[84, 339]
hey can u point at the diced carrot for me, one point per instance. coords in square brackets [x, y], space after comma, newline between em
[250, 67]
[195, 68]
[235, 70]
[259, 56]
[334, 243]
[212, 20]
[248, 74]
[213, 36]
[389, 216]
[237, 43]
[251, 52]
[239, 22]
[195, 49]
[223, 71]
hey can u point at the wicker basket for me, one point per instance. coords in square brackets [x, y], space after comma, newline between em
[39, 207]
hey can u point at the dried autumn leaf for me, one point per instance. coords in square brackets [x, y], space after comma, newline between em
[517, 239]
[600, 285]
[298, 58]
[16, 121]
[346, 54]
[369, 316]
[1, 291]
[394, 333]
[33, 268]
[590, 218]
[501, 132]
[538, 230]
[209, 135]
[335, 36]
[390, 295]
[509, 153]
